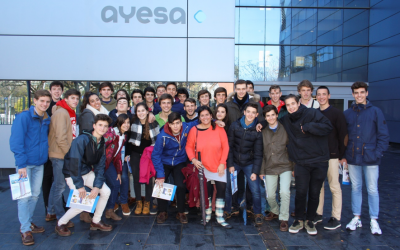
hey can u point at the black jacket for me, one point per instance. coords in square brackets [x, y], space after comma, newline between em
[84, 156]
[113, 116]
[235, 111]
[245, 147]
[312, 145]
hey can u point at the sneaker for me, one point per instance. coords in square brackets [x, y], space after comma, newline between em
[186, 211]
[125, 209]
[354, 223]
[375, 229]
[296, 226]
[310, 227]
[318, 218]
[153, 209]
[332, 224]
[259, 219]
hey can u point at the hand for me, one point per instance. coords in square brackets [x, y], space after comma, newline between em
[343, 161]
[259, 127]
[197, 164]
[119, 178]
[127, 158]
[220, 123]
[152, 118]
[82, 192]
[94, 193]
[261, 176]
[160, 182]
[253, 177]
[22, 173]
[302, 129]
[231, 170]
[221, 170]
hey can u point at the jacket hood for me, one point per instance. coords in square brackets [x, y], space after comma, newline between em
[255, 97]
[296, 115]
[89, 133]
[168, 130]
[358, 107]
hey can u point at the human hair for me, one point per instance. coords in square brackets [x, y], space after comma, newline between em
[102, 117]
[248, 82]
[126, 94]
[323, 87]
[251, 105]
[135, 91]
[70, 92]
[85, 99]
[120, 120]
[222, 105]
[146, 126]
[106, 84]
[219, 90]
[359, 85]
[164, 97]
[275, 86]
[203, 92]
[173, 117]
[305, 83]
[171, 83]
[205, 108]
[191, 100]
[268, 108]
[40, 93]
[183, 91]
[56, 83]
[161, 86]
[240, 81]
[122, 98]
[296, 98]
[149, 89]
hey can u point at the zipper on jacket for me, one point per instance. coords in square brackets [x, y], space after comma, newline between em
[245, 130]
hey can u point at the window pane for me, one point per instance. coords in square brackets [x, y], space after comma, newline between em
[284, 63]
[278, 22]
[304, 22]
[356, 3]
[251, 26]
[13, 100]
[330, 26]
[251, 2]
[330, 3]
[251, 63]
[337, 103]
[278, 2]
[329, 63]
[357, 74]
[304, 3]
[356, 24]
[272, 60]
[303, 63]
[355, 58]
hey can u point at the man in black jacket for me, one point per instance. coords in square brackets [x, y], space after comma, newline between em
[87, 150]
[308, 131]
[246, 154]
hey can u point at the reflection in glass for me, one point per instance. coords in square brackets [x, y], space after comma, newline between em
[251, 26]
[330, 3]
[304, 22]
[251, 63]
[303, 63]
[356, 3]
[251, 2]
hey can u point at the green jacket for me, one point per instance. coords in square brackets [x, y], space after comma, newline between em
[111, 105]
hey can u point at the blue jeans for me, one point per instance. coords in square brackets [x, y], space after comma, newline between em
[371, 178]
[57, 189]
[254, 186]
[114, 185]
[26, 206]
[124, 189]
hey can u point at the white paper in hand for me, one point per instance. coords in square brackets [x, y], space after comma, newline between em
[346, 175]
[86, 204]
[20, 187]
[234, 182]
[166, 192]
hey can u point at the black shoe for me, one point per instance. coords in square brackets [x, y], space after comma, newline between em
[317, 219]
[332, 224]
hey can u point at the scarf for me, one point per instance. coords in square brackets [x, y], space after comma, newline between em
[103, 110]
[72, 115]
[242, 102]
[137, 130]
[243, 123]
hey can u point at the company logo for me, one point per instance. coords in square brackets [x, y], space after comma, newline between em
[200, 16]
[144, 15]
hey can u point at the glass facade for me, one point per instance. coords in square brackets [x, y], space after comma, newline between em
[292, 40]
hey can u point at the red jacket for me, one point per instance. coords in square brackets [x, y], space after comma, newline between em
[112, 144]
[146, 166]
[193, 185]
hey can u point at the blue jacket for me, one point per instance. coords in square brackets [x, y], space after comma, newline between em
[28, 140]
[176, 107]
[169, 151]
[368, 134]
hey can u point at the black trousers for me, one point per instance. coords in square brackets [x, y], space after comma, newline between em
[135, 165]
[47, 182]
[176, 172]
[309, 180]
[221, 189]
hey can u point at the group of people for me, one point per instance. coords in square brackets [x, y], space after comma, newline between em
[116, 147]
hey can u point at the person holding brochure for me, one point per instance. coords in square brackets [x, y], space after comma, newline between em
[84, 165]
[276, 165]
[212, 142]
[29, 143]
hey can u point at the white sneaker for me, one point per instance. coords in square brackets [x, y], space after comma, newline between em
[375, 229]
[354, 223]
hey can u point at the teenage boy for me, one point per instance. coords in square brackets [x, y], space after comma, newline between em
[250, 90]
[368, 138]
[29, 143]
[305, 89]
[204, 97]
[275, 94]
[61, 133]
[161, 89]
[122, 108]
[220, 95]
[84, 167]
[137, 97]
[169, 157]
[183, 94]
[190, 108]
[336, 150]
[149, 94]
[246, 154]
[177, 106]
[165, 102]
[56, 90]
[106, 90]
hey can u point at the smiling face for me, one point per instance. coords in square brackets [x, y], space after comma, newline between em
[175, 126]
[271, 117]
[125, 126]
[204, 100]
[250, 114]
[106, 92]
[275, 95]
[136, 98]
[141, 113]
[149, 97]
[94, 101]
[220, 97]
[240, 90]
[205, 117]
[305, 93]
[221, 113]
[122, 106]
[160, 91]
[42, 104]
[166, 105]
[100, 128]
[323, 96]
[190, 108]
[72, 101]
[56, 92]
[360, 95]
[291, 105]
[171, 89]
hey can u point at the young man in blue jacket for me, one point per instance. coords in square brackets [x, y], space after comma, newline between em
[87, 153]
[368, 138]
[29, 143]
